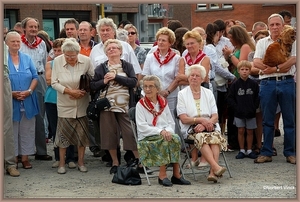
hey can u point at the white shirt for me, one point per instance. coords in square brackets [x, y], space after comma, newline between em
[144, 120]
[166, 72]
[260, 51]
[185, 105]
[98, 56]
[224, 41]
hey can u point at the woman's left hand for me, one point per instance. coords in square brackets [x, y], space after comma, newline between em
[166, 135]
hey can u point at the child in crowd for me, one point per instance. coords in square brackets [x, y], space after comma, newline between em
[243, 97]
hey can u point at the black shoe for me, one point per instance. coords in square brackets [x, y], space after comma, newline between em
[97, 153]
[277, 133]
[109, 164]
[113, 169]
[133, 163]
[180, 181]
[165, 182]
[141, 170]
[43, 157]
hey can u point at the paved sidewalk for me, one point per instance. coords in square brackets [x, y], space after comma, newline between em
[275, 180]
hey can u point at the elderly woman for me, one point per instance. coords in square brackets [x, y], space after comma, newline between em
[24, 79]
[72, 123]
[117, 78]
[194, 45]
[197, 106]
[164, 63]
[157, 143]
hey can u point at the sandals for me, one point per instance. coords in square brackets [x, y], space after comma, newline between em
[26, 165]
[212, 178]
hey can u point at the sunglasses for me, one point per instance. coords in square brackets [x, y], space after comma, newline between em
[132, 33]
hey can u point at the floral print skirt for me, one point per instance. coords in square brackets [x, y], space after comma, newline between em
[209, 138]
[155, 151]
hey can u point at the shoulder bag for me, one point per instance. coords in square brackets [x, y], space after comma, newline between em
[127, 175]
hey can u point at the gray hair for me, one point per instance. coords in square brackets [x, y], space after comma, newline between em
[70, 44]
[154, 78]
[115, 41]
[198, 67]
[276, 15]
[12, 33]
[107, 22]
[122, 34]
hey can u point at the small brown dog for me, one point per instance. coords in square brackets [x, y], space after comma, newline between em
[279, 51]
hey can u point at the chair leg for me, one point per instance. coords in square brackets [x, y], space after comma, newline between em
[226, 164]
[189, 160]
[147, 177]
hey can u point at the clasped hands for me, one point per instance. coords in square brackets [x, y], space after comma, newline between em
[20, 95]
[205, 125]
[77, 94]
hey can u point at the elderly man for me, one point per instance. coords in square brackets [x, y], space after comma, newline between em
[277, 86]
[35, 47]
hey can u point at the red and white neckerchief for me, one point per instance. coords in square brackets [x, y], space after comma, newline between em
[199, 57]
[167, 59]
[149, 106]
[37, 41]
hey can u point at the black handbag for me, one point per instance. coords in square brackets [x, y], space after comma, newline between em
[103, 103]
[84, 83]
[97, 105]
[92, 111]
[127, 176]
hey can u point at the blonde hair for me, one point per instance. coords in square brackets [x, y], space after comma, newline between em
[244, 63]
[128, 26]
[168, 32]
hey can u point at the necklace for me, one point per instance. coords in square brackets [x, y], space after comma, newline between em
[196, 92]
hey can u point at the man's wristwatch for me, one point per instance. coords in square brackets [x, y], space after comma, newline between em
[277, 68]
[30, 91]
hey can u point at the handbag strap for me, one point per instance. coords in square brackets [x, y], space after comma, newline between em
[106, 70]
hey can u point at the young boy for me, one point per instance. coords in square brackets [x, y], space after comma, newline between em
[243, 97]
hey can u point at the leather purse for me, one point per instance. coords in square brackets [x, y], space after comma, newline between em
[127, 176]
[84, 83]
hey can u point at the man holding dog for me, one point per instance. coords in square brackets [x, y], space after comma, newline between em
[277, 86]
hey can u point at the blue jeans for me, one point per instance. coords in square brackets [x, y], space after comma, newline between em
[271, 93]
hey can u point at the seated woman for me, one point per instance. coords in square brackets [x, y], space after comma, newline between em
[196, 105]
[157, 143]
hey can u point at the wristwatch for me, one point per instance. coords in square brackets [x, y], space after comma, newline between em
[30, 91]
[230, 55]
[277, 68]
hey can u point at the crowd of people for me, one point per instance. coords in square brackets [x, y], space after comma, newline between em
[207, 76]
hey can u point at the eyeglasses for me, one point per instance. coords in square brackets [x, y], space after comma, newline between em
[132, 33]
[112, 48]
[70, 56]
[149, 87]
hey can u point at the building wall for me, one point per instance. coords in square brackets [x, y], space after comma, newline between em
[247, 13]
[36, 11]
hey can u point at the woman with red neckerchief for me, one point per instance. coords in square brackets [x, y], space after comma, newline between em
[164, 63]
[194, 45]
[157, 143]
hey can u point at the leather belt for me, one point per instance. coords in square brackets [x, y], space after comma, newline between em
[279, 78]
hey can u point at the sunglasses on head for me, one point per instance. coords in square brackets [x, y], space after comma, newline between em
[132, 33]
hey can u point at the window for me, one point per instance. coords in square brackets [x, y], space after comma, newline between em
[152, 29]
[213, 6]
